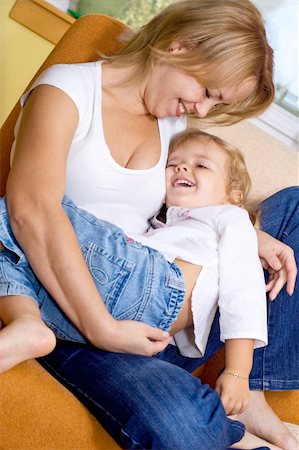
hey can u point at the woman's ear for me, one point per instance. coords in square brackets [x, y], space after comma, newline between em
[236, 197]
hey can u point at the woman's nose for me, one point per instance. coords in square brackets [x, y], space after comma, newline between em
[203, 107]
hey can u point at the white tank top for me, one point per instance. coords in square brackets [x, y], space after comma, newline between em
[94, 181]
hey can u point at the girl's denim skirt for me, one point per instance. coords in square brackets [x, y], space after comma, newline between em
[135, 282]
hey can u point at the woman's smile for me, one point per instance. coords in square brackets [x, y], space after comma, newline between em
[180, 108]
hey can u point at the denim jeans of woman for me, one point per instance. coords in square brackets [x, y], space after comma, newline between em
[155, 402]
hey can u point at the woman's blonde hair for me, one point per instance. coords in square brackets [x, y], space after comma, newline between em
[226, 44]
[238, 178]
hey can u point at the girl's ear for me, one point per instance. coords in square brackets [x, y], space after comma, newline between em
[236, 197]
[177, 47]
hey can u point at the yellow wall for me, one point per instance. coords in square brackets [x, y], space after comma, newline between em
[21, 54]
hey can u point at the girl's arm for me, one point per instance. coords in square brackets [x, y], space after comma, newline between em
[232, 384]
[35, 189]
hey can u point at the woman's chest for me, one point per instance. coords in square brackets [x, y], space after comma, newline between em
[126, 197]
[133, 140]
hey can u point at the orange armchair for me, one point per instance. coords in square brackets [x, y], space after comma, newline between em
[37, 412]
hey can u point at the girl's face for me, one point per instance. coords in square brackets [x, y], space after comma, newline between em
[196, 175]
[170, 92]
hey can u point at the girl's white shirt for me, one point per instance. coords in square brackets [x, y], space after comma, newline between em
[221, 239]
[94, 181]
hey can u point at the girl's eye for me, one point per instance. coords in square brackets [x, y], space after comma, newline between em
[208, 95]
[202, 166]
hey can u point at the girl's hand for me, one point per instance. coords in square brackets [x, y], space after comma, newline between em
[234, 393]
[278, 259]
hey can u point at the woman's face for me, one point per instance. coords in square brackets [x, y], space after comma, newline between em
[170, 92]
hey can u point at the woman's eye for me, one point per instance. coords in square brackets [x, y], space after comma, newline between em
[208, 95]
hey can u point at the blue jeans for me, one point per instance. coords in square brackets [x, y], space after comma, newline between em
[155, 403]
[135, 282]
[276, 367]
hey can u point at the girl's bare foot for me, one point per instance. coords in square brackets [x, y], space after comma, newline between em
[260, 420]
[24, 338]
[250, 441]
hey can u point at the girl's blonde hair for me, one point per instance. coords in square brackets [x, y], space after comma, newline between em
[226, 44]
[237, 174]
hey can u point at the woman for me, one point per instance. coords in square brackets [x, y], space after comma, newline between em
[176, 65]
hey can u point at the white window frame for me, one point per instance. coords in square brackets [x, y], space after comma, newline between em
[277, 121]
[281, 124]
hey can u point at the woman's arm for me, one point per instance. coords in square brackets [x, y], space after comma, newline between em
[34, 192]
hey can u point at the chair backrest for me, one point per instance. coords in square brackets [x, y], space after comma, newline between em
[83, 41]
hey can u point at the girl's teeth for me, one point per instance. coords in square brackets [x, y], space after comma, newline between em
[184, 183]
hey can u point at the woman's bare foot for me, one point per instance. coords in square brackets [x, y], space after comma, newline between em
[250, 441]
[24, 338]
[260, 420]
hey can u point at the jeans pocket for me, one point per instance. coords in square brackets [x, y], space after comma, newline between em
[110, 272]
[11, 251]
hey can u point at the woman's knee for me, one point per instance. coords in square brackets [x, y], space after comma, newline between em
[145, 402]
[282, 201]
[279, 214]
[177, 412]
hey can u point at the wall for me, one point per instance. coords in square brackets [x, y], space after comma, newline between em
[21, 54]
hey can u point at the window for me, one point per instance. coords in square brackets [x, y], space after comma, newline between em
[134, 13]
[281, 19]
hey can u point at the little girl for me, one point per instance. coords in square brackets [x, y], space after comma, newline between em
[201, 255]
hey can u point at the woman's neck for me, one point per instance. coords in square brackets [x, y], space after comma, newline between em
[128, 94]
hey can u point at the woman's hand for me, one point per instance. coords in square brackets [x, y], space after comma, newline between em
[278, 259]
[142, 339]
[128, 336]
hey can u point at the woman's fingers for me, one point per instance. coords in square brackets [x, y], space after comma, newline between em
[287, 271]
[138, 338]
[276, 283]
[291, 269]
[276, 256]
[157, 339]
[158, 346]
[156, 334]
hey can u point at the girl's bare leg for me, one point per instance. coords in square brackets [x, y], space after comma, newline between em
[23, 334]
[260, 420]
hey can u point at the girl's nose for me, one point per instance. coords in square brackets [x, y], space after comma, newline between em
[181, 167]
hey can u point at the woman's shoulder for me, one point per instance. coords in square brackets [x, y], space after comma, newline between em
[76, 68]
[67, 77]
